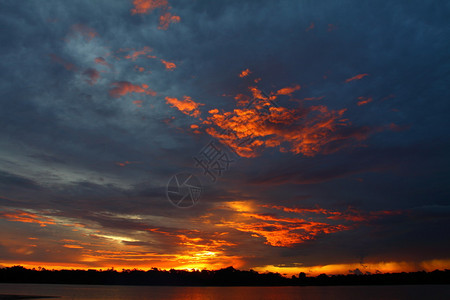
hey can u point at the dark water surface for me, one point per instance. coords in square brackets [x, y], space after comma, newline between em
[230, 293]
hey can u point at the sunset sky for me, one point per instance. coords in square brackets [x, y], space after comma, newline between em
[330, 120]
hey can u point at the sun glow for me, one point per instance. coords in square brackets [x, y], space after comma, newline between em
[366, 268]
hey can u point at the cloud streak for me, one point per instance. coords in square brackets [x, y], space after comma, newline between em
[302, 130]
[147, 6]
[187, 106]
[122, 88]
[166, 19]
[356, 77]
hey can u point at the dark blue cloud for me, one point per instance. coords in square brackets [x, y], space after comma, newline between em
[62, 139]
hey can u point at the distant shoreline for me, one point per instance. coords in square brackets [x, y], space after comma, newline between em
[213, 278]
[11, 297]
[212, 286]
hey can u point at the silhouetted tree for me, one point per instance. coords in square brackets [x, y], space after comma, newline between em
[227, 276]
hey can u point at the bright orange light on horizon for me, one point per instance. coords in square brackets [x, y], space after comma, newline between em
[372, 268]
[332, 269]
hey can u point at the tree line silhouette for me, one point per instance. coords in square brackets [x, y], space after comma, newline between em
[223, 277]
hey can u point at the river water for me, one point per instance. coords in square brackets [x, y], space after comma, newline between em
[402, 292]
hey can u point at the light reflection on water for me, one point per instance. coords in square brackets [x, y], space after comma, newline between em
[229, 293]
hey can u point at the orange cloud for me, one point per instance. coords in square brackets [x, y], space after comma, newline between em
[242, 100]
[313, 98]
[257, 94]
[124, 87]
[282, 231]
[123, 164]
[26, 217]
[135, 54]
[73, 246]
[146, 6]
[186, 106]
[276, 230]
[244, 73]
[316, 210]
[278, 234]
[357, 77]
[168, 65]
[364, 100]
[166, 19]
[288, 90]
[188, 249]
[302, 130]
[350, 214]
[306, 131]
[218, 244]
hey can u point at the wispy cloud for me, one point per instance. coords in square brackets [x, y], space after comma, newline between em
[146, 6]
[303, 130]
[26, 217]
[135, 54]
[186, 106]
[244, 73]
[123, 88]
[357, 77]
[166, 19]
[364, 100]
[168, 65]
